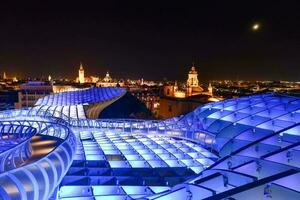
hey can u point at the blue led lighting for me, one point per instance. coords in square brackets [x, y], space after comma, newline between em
[244, 148]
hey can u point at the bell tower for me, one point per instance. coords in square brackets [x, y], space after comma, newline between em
[193, 77]
[81, 74]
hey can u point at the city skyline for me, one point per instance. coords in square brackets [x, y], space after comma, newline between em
[152, 41]
[146, 100]
[104, 74]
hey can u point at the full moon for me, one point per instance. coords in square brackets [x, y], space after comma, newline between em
[255, 27]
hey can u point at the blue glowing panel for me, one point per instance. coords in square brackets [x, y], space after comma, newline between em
[75, 191]
[107, 190]
[293, 131]
[292, 182]
[232, 144]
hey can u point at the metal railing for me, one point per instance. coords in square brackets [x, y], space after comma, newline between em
[173, 127]
[15, 145]
[38, 180]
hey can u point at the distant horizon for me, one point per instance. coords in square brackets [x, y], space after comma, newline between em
[10, 76]
[117, 75]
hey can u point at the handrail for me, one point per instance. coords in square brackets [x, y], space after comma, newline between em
[126, 125]
[20, 151]
[42, 176]
[59, 160]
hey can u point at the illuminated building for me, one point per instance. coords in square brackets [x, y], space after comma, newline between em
[191, 88]
[192, 83]
[244, 148]
[94, 79]
[15, 79]
[178, 93]
[107, 81]
[173, 91]
[210, 89]
[192, 80]
[181, 100]
[169, 90]
[4, 76]
[107, 78]
[81, 78]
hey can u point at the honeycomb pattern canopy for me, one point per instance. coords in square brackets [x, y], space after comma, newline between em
[71, 103]
[243, 148]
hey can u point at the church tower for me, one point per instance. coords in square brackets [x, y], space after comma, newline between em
[81, 74]
[210, 89]
[192, 77]
[175, 87]
[192, 83]
[4, 76]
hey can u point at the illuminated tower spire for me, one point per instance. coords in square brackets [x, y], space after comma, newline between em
[81, 74]
[210, 89]
[4, 76]
[193, 77]
[175, 86]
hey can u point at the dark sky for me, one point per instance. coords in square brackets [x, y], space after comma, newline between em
[152, 39]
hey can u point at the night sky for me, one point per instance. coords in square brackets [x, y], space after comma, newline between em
[152, 39]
